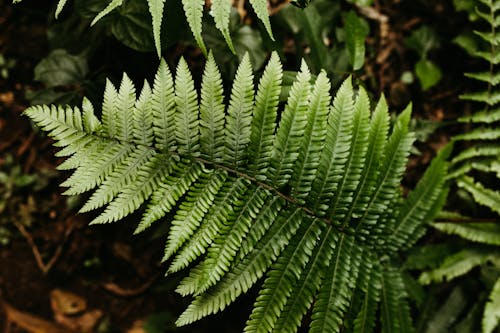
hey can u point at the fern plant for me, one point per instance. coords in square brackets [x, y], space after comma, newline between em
[307, 194]
[220, 10]
[481, 160]
[483, 154]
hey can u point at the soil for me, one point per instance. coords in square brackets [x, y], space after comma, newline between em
[119, 274]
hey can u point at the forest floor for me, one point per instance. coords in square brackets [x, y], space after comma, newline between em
[59, 275]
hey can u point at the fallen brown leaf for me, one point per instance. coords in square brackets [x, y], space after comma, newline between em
[31, 323]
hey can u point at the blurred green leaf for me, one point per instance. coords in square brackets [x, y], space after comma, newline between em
[362, 3]
[131, 25]
[448, 313]
[356, 30]
[160, 322]
[423, 40]
[428, 73]
[61, 68]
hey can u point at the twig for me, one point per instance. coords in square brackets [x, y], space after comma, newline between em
[44, 267]
[117, 290]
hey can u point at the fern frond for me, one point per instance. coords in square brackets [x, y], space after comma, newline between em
[482, 195]
[491, 316]
[186, 117]
[156, 10]
[108, 9]
[488, 233]
[304, 170]
[212, 112]
[264, 118]
[309, 201]
[163, 106]
[394, 308]
[282, 278]
[221, 10]
[336, 290]
[260, 8]
[456, 265]
[194, 14]
[239, 117]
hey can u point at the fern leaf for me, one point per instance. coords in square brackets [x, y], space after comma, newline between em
[90, 122]
[163, 106]
[486, 150]
[488, 233]
[414, 212]
[132, 195]
[246, 272]
[223, 251]
[456, 265]
[393, 307]
[194, 14]
[231, 193]
[109, 8]
[108, 116]
[336, 290]
[143, 118]
[377, 138]
[101, 162]
[365, 320]
[120, 177]
[304, 169]
[353, 169]
[60, 7]
[260, 8]
[482, 195]
[282, 277]
[237, 130]
[492, 310]
[192, 210]
[221, 10]
[291, 128]
[125, 102]
[486, 97]
[304, 290]
[311, 204]
[156, 10]
[165, 196]
[491, 78]
[487, 116]
[186, 117]
[391, 170]
[212, 113]
[336, 149]
[264, 117]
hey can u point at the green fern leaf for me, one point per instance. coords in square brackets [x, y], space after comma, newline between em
[260, 8]
[492, 310]
[163, 106]
[212, 113]
[194, 14]
[482, 195]
[60, 7]
[456, 265]
[186, 117]
[237, 130]
[221, 11]
[156, 10]
[488, 233]
[264, 118]
[309, 201]
[109, 8]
